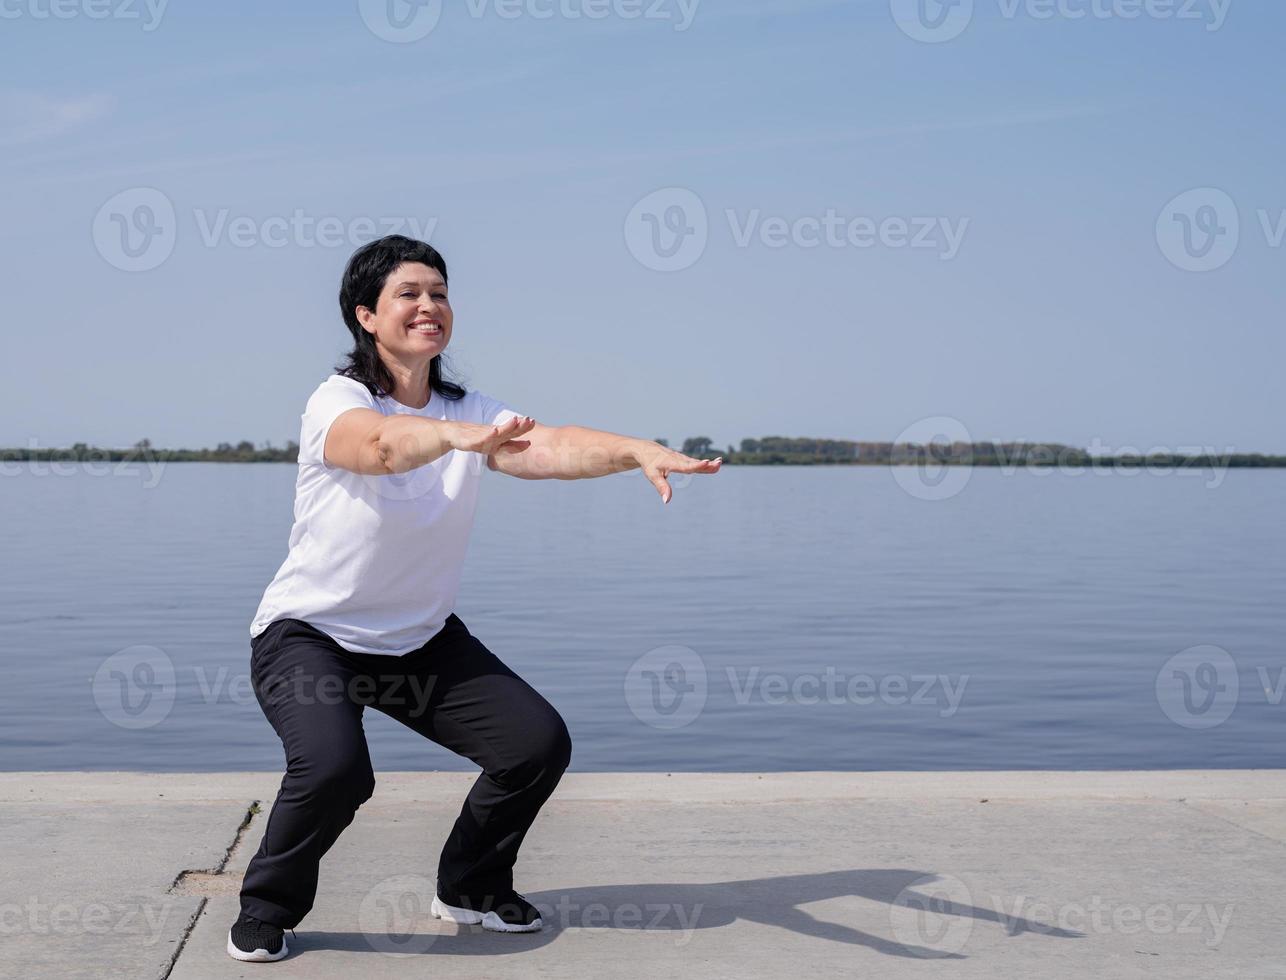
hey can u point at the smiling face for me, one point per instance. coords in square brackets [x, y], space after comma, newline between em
[412, 318]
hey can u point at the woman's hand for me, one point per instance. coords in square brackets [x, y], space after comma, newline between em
[658, 462]
[487, 439]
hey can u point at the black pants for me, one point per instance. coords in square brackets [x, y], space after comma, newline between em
[452, 690]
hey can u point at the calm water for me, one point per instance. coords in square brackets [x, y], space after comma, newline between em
[829, 619]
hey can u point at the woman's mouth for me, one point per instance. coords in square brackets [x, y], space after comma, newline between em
[429, 328]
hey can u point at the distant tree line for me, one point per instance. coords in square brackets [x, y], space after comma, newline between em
[765, 451]
[782, 450]
[143, 450]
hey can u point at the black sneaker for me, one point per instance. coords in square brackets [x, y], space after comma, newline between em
[505, 913]
[253, 941]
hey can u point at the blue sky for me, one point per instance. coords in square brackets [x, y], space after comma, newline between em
[1049, 146]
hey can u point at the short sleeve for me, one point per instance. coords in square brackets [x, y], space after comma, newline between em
[335, 396]
[494, 411]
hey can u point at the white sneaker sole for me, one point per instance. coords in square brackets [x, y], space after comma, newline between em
[467, 917]
[260, 955]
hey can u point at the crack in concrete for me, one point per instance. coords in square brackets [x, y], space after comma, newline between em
[182, 877]
[205, 876]
[1216, 815]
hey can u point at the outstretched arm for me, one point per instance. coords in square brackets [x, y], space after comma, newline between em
[574, 452]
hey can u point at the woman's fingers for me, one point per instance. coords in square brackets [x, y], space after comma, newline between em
[518, 423]
[692, 465]
[496, 437]
[659, 481]
[686, 464]
[678, 463]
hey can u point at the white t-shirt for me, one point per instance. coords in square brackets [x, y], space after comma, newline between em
[375, 561]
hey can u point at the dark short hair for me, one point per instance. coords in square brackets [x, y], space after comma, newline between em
[364, 277]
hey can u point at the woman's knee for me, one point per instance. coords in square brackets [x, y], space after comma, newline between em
[546, 750]
[339, 777]
[559, 747]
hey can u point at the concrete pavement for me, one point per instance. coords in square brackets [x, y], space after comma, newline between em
[1127, 874]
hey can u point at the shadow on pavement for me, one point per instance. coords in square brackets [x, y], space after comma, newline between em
[685, 907]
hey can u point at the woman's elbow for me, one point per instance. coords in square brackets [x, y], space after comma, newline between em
[381, 456]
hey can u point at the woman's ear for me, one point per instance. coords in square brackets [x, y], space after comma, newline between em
[364, 317]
